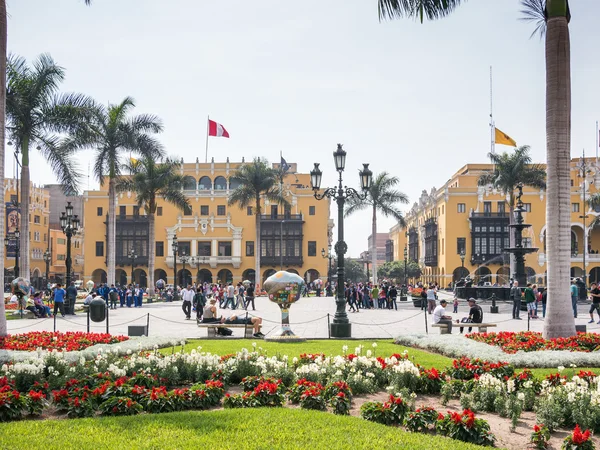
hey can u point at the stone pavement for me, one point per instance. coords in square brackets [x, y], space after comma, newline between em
[308, 318]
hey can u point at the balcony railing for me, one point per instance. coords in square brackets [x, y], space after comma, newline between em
[126, 261]
[280, 217]
[431, 260]
[276, 260]
[494, 215]
[201, 262]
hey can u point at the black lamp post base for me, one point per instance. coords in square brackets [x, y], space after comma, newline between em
[340, 330]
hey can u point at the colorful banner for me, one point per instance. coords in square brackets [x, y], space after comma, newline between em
[13, 223]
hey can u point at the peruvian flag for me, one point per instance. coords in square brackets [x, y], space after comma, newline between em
[216, 129]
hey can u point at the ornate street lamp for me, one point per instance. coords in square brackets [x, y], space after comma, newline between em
[175, 248]
[462, 259]
[405, 271]
[69, 224]
[132, 256]
[341, 326]
[47, 258]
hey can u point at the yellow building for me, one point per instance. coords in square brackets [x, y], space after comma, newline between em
[215, 241]
[462, 216]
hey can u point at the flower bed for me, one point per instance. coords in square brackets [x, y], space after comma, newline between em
[47, 340]
[529, 341]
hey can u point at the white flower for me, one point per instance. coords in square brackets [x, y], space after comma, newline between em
[254, 344]
[374, 344]
[521, 396]
[345, 349]
[561, 368]
[369, 354]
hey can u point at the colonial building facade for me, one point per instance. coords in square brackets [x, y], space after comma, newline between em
[216, 242]
[463, 217]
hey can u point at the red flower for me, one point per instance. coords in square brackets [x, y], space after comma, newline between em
[579, 437]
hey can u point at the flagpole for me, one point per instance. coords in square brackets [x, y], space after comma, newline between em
[207, 130]
[492, 125]
[597, 141]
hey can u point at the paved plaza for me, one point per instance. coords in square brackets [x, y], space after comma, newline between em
[308, 318]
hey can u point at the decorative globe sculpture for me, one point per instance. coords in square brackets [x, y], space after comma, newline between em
[160, 284]
[246, 283]
[284, 289]
[21, 287]
[89, 285]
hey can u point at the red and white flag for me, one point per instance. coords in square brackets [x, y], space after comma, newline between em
[216, 129]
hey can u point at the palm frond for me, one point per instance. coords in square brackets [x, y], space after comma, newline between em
[354, 204]
[60, 157]
[430, 9]
[535, 11]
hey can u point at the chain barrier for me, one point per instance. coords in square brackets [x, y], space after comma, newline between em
[28, 326]
[174, 321]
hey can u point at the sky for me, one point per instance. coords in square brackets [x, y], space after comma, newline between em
[411, 99]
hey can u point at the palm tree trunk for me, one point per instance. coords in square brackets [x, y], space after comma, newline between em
[374, 241]
[24, 210]
[112, 228]
[257, 250]
[559, 321]
[151, 253]
[3, 325]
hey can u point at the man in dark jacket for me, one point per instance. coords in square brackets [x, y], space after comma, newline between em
[475, 314]
[71, 298]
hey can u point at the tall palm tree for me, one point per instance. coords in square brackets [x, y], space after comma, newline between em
[510, 170]
[115, 135]
[152, 181]
[382, 198]
[37, 115]
[556, 16]
[257, 180]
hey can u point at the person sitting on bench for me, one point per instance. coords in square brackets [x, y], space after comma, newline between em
[209, 315]
[475, 315]
[256, 323]
[439, 315]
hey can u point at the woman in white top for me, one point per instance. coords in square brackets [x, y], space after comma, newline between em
[430, 299]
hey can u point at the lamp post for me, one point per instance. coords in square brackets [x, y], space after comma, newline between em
[184, 260]
[47, 258]
[70, 225]
[405, 271]
[462, 260]
[175, 247]
[132, 256]
[329, 256]
[583, 171]
[17, 235]
[341, 326]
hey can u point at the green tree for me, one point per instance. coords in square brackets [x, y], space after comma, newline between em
[152, 181]
[510, 170]
[115, 136]
[383, 197]
[395, 270]
[257, 180]
[37, 115]
[554, 17]
[354, 272]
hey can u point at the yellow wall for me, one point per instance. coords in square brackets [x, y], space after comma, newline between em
[462, 188]
[235, 226]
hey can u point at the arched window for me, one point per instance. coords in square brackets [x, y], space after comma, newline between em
[189, 183]
[220, 184]
[234, 183]
[205, 184]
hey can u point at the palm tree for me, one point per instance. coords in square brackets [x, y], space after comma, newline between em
[382, 198]
[556, 17]
[257, 180]
[510, 170]
[38, 116]
[114, 136]
[150, 181]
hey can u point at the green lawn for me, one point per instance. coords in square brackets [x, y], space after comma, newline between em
[334, 347]
[239, 429]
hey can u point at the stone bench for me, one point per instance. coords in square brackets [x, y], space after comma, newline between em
[482, 327]
[211, 328]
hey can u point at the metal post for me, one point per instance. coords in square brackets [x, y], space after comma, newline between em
[88, 319]
[107, 314]
[148, 324]
[281, 245]
[425, 316]
[328, 326]
[68, 260]
[54, 322]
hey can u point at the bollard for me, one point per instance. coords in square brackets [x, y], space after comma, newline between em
[493, 308]
[148, 324]
[88, 320]
[246, 324]
[528, 317]
[328, 327]
[107, 314]
[425, 315]
[54, 315]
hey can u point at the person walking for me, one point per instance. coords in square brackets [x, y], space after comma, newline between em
[393, 293]
[59, 300]
[239, 302]
[71, 299]
[515, 295]
[199, 303]
[574, 297]
[230, 293]
[113, 295]
[187, 295]
[595, 294]
[430, 299]
[530, 300]
[249, 297]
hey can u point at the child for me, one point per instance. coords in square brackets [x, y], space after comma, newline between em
[455, 310]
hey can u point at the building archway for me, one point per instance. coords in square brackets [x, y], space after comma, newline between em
[220, 183]
[268, 273]
[204, 276]
[249, 274]
[189, 183]
[36, 279]
[311, 275]
[121, 277]
[140, 277]
[99, 276]
[184, 277]
[576, 272]
[530, 273]
[594, 275]
[503, 276]
[204, 184]
[225, 276]
[483, 274]
[459, 273]
[160, 274]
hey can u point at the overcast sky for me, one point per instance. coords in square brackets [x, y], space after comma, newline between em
[298, 77]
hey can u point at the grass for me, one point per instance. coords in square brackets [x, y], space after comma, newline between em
[329, 347]
[239, 429]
